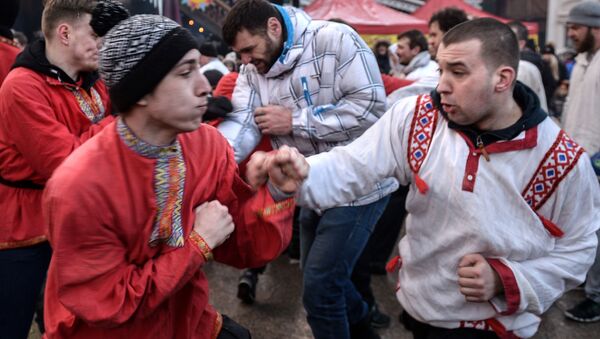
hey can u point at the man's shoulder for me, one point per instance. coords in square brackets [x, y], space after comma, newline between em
[22, 76]
[89, 163]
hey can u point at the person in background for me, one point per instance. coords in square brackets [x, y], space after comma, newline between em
[8, 47]
[55, 92]
[382, 55]
[529, 54]
[21, 39]
[581, 119]
[440, 23]
[209, 59]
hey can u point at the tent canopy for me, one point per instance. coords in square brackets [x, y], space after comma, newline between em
[366, 16]
[431, 6]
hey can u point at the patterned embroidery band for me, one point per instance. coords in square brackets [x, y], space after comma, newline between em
[92, 107]
[169, 184]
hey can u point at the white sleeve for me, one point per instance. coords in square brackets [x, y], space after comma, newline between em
[348, 172]
[576, 210]
[239, 127]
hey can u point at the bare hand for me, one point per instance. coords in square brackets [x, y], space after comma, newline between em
[274, 119]
[478, 281]
[287, 169]
[257, 169]
[213, 223]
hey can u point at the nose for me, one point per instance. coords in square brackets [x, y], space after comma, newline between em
[443, 84]
[246, 58]
[201, 85]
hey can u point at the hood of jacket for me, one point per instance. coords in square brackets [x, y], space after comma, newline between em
[295, 22]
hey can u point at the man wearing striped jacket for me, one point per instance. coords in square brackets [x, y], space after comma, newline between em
[312, 85]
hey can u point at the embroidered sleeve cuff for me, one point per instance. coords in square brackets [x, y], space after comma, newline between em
[201, 245]
[277, 194]
[509, 303]
[276, 208]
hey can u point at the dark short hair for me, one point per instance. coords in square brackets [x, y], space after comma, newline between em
[448, 17]
[499, 46]
[251, 15]
[519, 29]
[67, 10]
[415, 38]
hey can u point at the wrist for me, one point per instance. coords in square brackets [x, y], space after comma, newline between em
[277, 193]
[201, 245]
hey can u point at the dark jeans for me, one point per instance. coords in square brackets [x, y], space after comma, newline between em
[381, 243]
[233, 330]
[330, 246]
[424, 331]
[22, 272]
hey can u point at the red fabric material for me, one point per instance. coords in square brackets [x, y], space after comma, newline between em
[105, 281]
[431, 6]
[472, 165]
[41, 123]
[471, 171]
[392, 83]
[500, 330]
[554, 230]
[394, 264]
[226, 85]
[509, 282]
[421, 184]
[365, 16]
[8, 54]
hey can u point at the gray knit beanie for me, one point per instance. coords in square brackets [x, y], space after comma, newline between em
[137, 54]
[585, 14]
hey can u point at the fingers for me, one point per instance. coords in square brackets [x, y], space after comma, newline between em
[470, 260]
[291, 162]
[256, 169]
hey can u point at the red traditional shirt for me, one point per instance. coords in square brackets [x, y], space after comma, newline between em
[42, 120]
[126, 263]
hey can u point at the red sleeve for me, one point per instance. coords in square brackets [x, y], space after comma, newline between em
[263, 227]
[509, 282]
[392, 83]
[226, 85]
[90, 265]
[31, 115]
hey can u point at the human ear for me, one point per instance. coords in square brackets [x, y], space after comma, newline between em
[63, 31]
[505, 77]
[143, 101]
[274, 27]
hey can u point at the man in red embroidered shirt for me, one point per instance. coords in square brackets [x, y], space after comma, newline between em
[135, 213]
[50, 103]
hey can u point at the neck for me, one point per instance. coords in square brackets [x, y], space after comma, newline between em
[57, 57]
[148, 130]
[503, 117]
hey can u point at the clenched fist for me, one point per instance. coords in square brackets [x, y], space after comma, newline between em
[213, 223]
[478, 281]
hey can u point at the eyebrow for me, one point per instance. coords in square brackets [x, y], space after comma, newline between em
[246, 49]
[191, 61]
[456, 64]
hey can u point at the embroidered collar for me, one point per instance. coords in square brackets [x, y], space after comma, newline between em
[143, 148]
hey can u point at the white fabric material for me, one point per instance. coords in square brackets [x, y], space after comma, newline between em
[215, 64]
[581, 117]
[447, 223]
[530, 75]
[330, 80]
